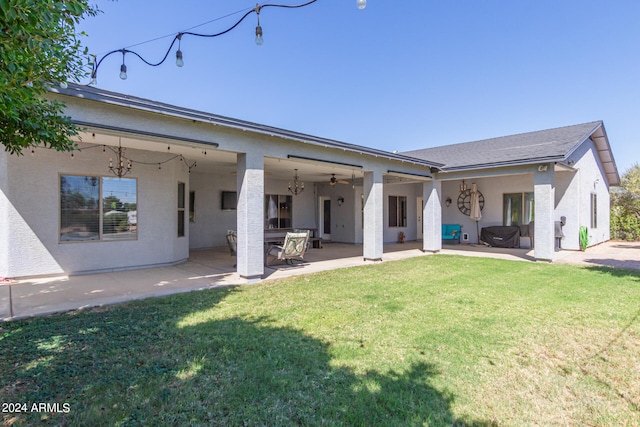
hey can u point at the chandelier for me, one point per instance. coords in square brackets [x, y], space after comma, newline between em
[298, 186]
[120, 169]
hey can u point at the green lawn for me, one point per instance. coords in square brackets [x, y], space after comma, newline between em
[437, 340]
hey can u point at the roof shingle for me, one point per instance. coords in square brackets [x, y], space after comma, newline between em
[531, 147]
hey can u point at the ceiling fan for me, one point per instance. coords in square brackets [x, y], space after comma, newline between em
[334, 180]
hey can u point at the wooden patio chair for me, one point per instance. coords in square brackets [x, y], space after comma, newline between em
[293, 248]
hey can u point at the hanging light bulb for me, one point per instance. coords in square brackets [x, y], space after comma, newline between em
[123, 68]
[361, 4]
[179, 61]
[259, 39]
[64, 85]
[123, 72]
[94, 78]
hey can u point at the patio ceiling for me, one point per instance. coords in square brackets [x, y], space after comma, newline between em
[209, 159]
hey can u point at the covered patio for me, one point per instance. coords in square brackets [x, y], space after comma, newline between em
[152, 184]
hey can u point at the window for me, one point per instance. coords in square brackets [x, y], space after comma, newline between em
[192, 206]
[397, 211]
[181, 215]
[98, 208]
[277, 211]
[229, 200]
[517, 208]
[594, 210]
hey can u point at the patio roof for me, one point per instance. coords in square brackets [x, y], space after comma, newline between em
[544, 146]
[119, 99]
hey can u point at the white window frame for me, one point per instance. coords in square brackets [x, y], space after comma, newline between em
[522, 209]
[182, 209]
[594, 210]
[130, 235]
[400, 213]
[282, 213]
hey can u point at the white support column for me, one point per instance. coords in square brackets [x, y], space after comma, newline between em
[373, 216]
[544, 205]
[432, 216]
[250, 216]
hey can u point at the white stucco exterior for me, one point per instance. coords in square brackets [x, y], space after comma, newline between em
[255, 161]
[30, 193]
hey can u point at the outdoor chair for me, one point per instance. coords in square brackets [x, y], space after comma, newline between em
[293, 248]
[232, 241]
[308, 236]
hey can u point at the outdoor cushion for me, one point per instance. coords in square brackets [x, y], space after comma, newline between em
[451, 232]
[294, 247]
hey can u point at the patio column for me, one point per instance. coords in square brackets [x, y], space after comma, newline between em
[544, 207]
[373, 237]
[250, 216]
[432, 216]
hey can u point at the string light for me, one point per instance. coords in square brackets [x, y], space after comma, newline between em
[179, 61]
[123, 68]
[360, 4]
[123, 164]
[259, 40]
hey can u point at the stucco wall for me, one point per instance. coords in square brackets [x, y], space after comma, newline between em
[493, 189]
[211, 222]
[590, 178]
[30, 194]
[411, 192]
[343, 221]
[572, 198]
[568, 204]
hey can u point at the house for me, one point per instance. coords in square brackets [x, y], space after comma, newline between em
[153, 181]
[561, 174]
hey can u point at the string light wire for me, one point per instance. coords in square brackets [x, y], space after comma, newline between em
[178, 37]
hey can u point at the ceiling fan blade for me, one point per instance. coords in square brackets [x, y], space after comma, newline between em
[342, 181]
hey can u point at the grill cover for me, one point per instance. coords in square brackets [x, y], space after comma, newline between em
[501, 236]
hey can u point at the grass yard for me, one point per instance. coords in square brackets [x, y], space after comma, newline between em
[438, 341]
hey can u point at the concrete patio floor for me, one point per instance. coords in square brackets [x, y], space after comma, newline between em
[214, 268]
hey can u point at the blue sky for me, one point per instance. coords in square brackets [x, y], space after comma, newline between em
[398, 75]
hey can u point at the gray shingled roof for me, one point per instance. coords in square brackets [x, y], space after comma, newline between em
[525, 148]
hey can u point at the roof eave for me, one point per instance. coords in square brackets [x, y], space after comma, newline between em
[610, 172]
[523, 162]
[115, 98]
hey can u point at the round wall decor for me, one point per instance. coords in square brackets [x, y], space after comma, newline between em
[464, 201]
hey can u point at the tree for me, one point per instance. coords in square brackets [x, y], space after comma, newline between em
[39, 46]
[625, 206]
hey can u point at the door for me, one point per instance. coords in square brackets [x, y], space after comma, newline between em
[325, 218]
[419, 212]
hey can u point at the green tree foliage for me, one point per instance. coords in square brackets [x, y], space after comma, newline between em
[625, 206]
[39, 46]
